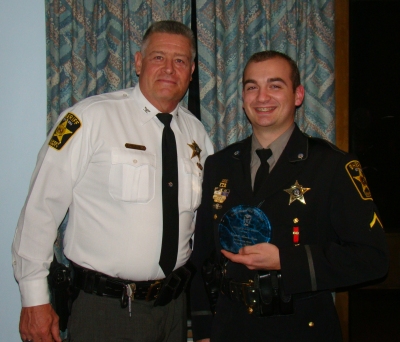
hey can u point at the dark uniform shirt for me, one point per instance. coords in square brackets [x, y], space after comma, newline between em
[317, 189]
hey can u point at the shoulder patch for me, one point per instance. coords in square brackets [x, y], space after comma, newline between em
[356, 174]
[64, 131]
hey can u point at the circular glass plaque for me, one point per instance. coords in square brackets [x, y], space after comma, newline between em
[243, 225]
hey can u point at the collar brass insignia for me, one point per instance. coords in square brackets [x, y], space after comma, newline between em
[297, 192]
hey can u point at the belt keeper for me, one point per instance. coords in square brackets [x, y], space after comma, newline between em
[173, 282]
[89, 279]
[101, 285]
[185, 276]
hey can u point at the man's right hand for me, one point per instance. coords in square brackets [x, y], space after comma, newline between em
[39, 323]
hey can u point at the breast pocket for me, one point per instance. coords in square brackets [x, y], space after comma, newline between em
[132, 176]
[191, 189]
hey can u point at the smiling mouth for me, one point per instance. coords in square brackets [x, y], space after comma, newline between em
[264, 109]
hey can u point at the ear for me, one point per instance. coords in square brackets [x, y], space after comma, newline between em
[193, 67]
[138, 62]
[299, 95]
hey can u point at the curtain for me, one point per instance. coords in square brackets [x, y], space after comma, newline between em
[91, 45]
[229, 32]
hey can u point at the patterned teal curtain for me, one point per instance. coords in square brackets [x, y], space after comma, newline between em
[91, 45]
[229, 32]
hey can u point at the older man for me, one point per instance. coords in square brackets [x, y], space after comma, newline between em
[128, 166]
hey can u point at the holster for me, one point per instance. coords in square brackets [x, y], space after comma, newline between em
[212, 275]
[59, 280]
[174, 285]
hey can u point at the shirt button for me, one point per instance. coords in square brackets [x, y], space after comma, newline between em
[134, 161]
[170, 184]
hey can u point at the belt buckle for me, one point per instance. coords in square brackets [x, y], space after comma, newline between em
[153, 290]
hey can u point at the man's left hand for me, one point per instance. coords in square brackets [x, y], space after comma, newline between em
[262, 256]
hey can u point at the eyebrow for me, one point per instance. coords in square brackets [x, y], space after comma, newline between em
[270, 80]
[276, 79]
[165, 53]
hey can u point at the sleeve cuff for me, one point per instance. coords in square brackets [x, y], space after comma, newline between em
[34, 292]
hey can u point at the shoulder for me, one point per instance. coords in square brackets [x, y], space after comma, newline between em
[190, 118]
[324, 151]
[195, 129]
[97, 103]
[323, 144]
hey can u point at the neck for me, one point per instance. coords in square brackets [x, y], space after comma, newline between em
[266, 135]
[166, 107]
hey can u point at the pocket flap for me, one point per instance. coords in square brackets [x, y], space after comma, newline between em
[134, 158]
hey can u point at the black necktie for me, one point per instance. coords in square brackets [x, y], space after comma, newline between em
[263, 169]
[169, 248]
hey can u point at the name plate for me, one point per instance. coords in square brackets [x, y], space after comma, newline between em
[243, 225]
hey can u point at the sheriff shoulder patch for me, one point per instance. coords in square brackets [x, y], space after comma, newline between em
[64, 131]
[356, 174]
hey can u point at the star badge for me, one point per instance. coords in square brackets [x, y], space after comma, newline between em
[196, 150]
[62, 130]
[297, 192]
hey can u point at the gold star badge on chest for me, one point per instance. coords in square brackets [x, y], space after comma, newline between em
[196, 150]
[297, 192]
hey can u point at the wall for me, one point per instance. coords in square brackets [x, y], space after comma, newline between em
[22, 132]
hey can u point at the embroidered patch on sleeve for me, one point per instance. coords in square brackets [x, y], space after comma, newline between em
[64, 131]
[356, 174]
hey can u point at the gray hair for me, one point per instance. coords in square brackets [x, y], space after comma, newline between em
[171, 27]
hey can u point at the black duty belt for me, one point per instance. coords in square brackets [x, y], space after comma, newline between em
[262, 296]
[161, 291]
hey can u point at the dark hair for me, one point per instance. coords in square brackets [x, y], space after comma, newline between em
[270, 54]
[172, 27]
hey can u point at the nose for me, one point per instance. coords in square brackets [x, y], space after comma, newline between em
[169, 66]
[263, 95]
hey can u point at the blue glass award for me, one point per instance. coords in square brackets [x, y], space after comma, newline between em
[243, 225]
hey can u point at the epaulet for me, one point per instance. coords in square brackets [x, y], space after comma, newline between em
[84, 104]
[325, 142]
